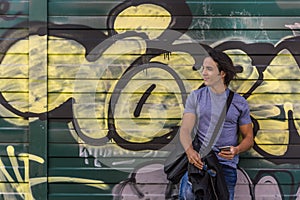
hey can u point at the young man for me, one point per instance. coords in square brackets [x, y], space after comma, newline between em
[201, 114]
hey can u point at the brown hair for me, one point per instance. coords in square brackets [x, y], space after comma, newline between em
[224, 63]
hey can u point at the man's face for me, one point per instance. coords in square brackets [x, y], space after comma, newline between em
[210, 73]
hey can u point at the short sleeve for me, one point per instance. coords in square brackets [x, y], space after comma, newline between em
[190, 104]
[245, 113]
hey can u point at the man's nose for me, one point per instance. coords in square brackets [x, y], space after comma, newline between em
[204, 71]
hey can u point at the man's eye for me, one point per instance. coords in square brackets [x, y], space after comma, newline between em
[208, 68]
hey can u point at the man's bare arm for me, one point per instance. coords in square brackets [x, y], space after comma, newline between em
[188, 122]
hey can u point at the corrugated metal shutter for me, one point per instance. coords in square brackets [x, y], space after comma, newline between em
[86, 109]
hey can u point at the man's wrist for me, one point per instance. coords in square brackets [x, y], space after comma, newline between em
[189, 149]
[237, 150]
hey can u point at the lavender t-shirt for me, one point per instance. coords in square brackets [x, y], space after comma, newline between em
[207, 107]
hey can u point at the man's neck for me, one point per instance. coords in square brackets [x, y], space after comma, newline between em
[218, 89]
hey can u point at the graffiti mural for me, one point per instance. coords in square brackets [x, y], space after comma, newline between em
[110, 99]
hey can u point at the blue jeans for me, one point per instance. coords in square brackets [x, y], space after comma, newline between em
[186, 192]
[185, 189]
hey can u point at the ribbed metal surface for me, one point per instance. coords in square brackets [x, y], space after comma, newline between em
[91, 102]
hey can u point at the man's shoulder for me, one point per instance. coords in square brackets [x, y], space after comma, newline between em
[200, 90]
[239, 98]
[198, 93]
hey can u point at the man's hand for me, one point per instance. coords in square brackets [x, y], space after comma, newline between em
[229, 153]
[194, 158]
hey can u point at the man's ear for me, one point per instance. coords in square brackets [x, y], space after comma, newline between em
[223, 74]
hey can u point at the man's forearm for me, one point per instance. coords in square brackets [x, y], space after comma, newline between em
[185, 139]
